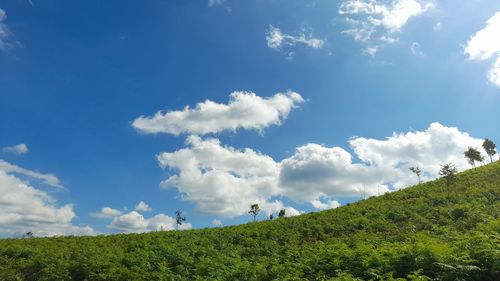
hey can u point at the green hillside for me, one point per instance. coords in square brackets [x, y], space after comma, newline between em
[426, 232]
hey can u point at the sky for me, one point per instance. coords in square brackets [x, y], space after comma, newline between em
[115, 114]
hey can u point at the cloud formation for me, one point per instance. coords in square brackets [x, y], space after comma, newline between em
[245, 110]
[142, 207]
[134, 222]
[276, 39]
[369, 18]
[224, 181]
[48, 179]
[485, 45]
[107, 212]
[25, 208]
[19, 149]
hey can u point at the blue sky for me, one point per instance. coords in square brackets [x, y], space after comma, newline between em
[74, 76]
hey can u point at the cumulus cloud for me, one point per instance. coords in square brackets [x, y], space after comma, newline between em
[16, 149]
[48, 179]
[485, 45]
[276, 39]
[220, 179]
[134, 222]
[25, 208]
[225, 181]
[107, 212]
[367, 18]
[245, 110]
[142, 207]
[325, 204]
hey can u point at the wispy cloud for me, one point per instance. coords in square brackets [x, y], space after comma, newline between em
[278, 40]
[19, 149]
[372, 18]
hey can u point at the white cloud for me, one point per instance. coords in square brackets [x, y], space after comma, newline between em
[142, 207]
[245, 110]
[484, 45]
[16, 149]
[276, 39]
[438, 26]
[219, 179]
[107, 212]
[134, 222]
[216, 223]
[48, 179]
[225, 181]
[212, 3]
[24, 208]
[370, 51]
[325, 204]
[416, 50]
[369, 17]
[494, 73]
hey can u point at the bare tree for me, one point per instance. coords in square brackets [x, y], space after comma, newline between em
[416, 170]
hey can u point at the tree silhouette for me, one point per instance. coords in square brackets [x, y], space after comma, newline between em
[473, 154]
[416, 170]
[254, 210]
[282, 213]
[489, 146]
[179, 219]
[448, 171]
[271, 217]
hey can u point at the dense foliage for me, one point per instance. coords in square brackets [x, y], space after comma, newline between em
[431, 231]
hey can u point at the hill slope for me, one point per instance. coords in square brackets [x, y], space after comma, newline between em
[426, 232]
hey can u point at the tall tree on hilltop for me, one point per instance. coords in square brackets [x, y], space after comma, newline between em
[254, 210]
[416, 170]
[473, 154]
[179, 219]
[282, 213]
[489, 146]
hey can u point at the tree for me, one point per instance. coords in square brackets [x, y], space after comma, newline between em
[448, 171]
[179, 219]
[416, 170]
[282, 213]
[28, 234]
[473, 154]
[254, 210]
[271, 217]
[489, 146]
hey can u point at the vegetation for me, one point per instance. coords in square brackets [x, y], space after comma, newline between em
[473, 155]
[490, 148]
[432, 231]
[254, 211]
